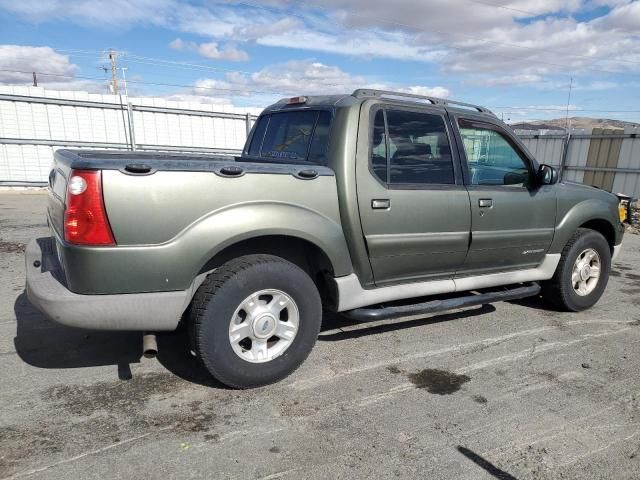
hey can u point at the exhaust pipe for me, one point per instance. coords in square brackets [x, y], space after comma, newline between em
[149, 345]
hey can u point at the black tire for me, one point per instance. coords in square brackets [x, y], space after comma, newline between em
[216, 301]
[559, 290]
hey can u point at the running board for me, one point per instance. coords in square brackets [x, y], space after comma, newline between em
[371, 314]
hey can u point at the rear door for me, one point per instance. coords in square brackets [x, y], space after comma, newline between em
[512, 218]
[413, 205]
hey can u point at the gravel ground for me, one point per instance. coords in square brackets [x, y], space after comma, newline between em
[512, 390]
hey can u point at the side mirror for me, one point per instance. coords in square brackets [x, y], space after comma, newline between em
[547, 175]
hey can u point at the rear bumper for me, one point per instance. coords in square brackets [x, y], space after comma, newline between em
[47, 291]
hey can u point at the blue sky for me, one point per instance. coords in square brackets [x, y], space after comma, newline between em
[515, 56]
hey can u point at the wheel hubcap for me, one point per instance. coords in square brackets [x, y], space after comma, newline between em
[264, 325]
[586, 272]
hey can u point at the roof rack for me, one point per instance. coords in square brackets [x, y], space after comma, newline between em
[370, 93]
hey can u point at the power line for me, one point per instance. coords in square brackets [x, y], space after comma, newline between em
[273, 92]
[158, 62]
[194, 87]
[561, 109]
[169, 63]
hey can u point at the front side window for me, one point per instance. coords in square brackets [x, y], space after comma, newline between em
[415, 150]
[297, 136]
[491, 158]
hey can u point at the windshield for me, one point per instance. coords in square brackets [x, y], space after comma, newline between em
[297, 136]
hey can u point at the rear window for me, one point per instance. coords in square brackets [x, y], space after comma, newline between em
[298, 136]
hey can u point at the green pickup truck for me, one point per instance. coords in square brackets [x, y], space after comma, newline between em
[375, 204]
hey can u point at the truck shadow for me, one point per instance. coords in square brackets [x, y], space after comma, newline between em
[334, 321]
[42, 343]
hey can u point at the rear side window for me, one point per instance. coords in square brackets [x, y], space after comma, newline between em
[379, 148]
[414, 150]
[298, 136]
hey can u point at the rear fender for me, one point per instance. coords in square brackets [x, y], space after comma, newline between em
[235, 224]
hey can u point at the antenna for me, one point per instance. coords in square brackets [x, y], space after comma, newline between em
[566, 118]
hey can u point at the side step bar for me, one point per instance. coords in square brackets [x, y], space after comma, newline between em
[370, 314]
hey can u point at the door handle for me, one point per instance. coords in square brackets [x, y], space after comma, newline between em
[485, 203]
[380, 203]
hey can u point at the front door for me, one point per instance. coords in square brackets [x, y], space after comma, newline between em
[512, 218]
[413, 205]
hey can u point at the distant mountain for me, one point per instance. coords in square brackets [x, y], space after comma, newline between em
[574, 122]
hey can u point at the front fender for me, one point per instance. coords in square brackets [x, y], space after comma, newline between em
[579, 214]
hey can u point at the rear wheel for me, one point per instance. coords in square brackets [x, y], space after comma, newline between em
[255, 319]
[582, 274]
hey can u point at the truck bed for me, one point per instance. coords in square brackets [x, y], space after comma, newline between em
[171, 213]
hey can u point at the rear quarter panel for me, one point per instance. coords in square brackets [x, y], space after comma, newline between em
[169, 224]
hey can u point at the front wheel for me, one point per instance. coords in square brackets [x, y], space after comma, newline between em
[255, 319]
[582, 274]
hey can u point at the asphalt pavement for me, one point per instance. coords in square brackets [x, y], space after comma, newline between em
[511, 390]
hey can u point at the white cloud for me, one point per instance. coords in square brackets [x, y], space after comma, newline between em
[54, 71]
[392, 45]
[596, 85]
[298, 77]
[17, 62]
[211, 50]
[177, 44]
[194, 98]
[261, 87]
[466, 38]
[625, 18]
[440, 92]
[228, 52]
[470, 38]
[265, 28]
[114, 13]
[535, 111]
[500, 80]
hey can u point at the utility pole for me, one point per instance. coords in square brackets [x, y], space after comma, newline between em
[35, 79]
[114, 71]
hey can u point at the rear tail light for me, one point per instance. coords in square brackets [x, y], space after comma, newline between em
[85, 218]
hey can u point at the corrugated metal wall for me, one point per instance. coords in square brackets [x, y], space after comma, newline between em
[606, 158]
[34, 122]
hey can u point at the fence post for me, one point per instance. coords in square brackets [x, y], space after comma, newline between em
[132, 134]
[565, 152]
[248, 123]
